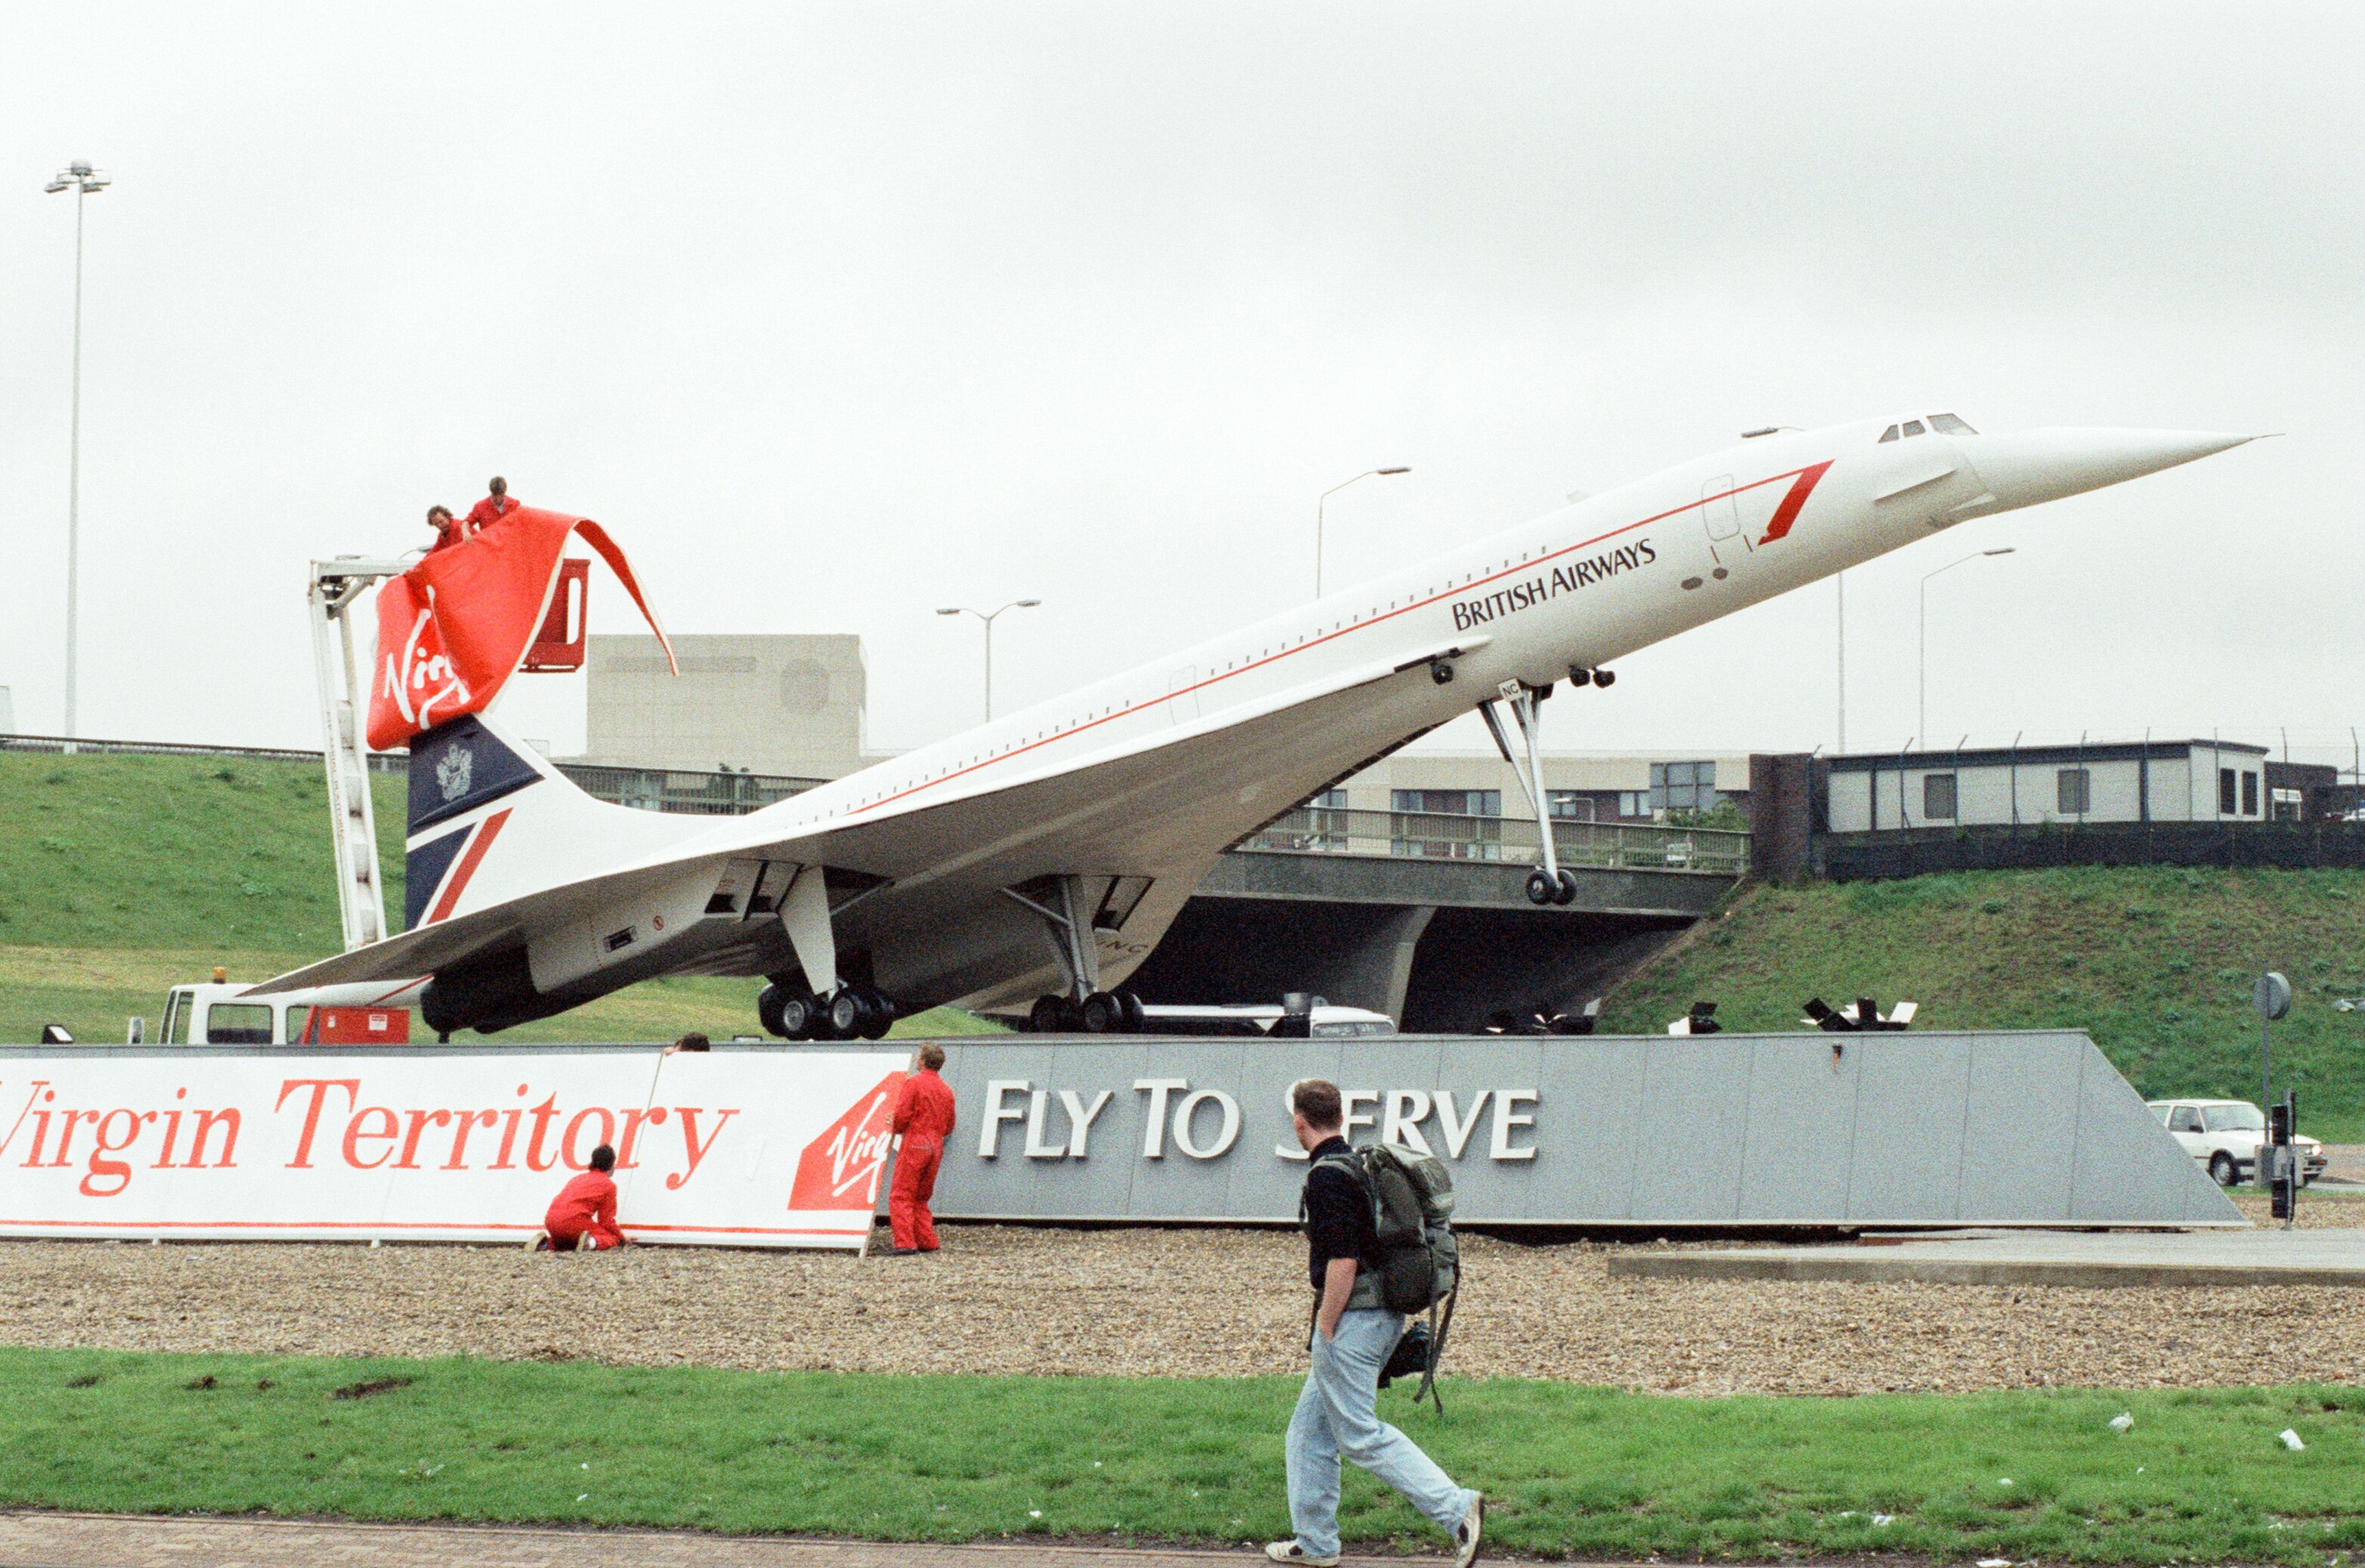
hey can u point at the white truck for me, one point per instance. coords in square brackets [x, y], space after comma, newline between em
[222, 1014]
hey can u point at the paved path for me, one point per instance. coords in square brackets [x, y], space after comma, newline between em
[2219, 1258]
[107, 1541]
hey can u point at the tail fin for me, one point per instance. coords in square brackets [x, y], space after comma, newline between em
[490, 820]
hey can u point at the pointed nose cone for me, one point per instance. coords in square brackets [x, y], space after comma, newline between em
[2023, 469]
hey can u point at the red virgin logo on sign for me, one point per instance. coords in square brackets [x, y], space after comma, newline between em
[840, 1168]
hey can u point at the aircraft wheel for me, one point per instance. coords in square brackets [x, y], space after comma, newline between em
[1051, 1015]
[1569, 1024]
[856, 1012]
[802, 1018]
[1137, 1020]
[1102, 1013]
[1566, 894]
[1605, 677]
[767, 1009]
[884, 1014]
[1540, 891]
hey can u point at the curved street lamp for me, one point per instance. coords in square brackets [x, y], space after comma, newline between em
[1325, 499]
[85, 182]
[990, 620]
[1922, 675]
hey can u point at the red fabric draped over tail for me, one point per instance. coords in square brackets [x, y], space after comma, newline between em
[452, 628]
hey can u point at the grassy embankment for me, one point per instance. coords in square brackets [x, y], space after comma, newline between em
[1591, 1472]
[120, 876]
[2156, 963]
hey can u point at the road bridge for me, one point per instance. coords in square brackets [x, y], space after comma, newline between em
[1425, 916]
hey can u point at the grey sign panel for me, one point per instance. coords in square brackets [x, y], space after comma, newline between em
[1892, 1129]
[1799, 1148]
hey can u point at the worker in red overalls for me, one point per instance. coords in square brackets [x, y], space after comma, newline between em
[496, 506]
[583, 1213]
[448, 530]
[923, 1115]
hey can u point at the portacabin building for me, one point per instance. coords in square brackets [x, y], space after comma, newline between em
[2133, 781]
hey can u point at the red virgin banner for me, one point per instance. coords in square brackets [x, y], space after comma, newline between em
[452, 628]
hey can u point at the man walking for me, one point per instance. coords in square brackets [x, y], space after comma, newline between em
[923, 1115]
[1354, 1334]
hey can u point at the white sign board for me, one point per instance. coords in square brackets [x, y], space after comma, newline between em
[767, 1148]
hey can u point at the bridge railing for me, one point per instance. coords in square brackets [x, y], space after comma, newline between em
[1438, 835]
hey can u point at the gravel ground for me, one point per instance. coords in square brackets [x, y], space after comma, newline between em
[1195, 1303]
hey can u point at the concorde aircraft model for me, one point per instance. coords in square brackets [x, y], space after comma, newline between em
[1039, 858]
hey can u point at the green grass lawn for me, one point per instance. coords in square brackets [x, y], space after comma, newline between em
[2156, 963]
[120, 876]
[1570, 1471]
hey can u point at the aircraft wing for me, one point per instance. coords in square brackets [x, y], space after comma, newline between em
[1179, 797]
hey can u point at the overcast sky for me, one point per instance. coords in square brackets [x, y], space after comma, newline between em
[835, 314]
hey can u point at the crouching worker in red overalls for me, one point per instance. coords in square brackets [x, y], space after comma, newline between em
[584, 1213]
[923, 1115]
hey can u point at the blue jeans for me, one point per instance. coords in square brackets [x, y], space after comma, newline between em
[1338, 1417]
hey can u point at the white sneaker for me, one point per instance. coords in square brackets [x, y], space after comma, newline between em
[1290, 1551]
[1466, 1544]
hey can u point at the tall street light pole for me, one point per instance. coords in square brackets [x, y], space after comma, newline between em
[1921, 712]
[85, 182]
[1840, 579]
[990, 620]
[1324, 500]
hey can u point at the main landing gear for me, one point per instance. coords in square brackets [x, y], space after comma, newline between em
[851, 1012]
[1101, 1013]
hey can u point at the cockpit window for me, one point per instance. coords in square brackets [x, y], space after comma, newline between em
[1914, 427]
[1946, 424]
[1888, 434]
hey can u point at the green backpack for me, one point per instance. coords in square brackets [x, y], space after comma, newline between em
[1420, 1267]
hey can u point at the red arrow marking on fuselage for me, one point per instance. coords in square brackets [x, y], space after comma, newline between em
[1788, 513]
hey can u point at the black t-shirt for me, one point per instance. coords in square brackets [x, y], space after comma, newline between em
[1338, 1209]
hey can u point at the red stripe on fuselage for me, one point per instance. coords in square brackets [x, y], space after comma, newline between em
[1786, 513]
[470, 858]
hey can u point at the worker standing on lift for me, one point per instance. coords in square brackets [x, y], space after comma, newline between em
[496, 506]
[448, 530]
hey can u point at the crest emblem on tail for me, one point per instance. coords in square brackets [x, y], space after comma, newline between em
[452, 773]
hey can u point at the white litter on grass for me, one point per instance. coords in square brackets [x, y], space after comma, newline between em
[583, 1496]
[2122, 1422]
[1995, 1563]
[2290, 1441]
[2003, 1481]
[1034, 1513]
[1883, 1520]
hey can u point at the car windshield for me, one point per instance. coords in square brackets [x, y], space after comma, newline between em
[2233, 1118]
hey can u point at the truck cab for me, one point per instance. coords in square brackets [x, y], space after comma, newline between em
[222, 1014]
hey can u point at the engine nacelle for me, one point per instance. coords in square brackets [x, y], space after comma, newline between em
[487, 994]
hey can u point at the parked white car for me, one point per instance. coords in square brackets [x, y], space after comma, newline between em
[2224, 1135]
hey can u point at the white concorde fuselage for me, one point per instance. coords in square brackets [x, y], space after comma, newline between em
[1147, 775]
[1581, 586]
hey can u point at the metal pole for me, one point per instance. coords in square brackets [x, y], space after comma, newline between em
[1921, 668]
[73, 482]
[989, 666]
[1840, 579]
[1324, 499]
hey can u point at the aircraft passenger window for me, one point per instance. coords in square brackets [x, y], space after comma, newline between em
[1915, 427]
[1946, 424]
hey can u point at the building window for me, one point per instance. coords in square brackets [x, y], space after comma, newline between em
[1938, 795]
[2226, 807]
[2249, 794]
[1682, 787]
[1449, 802]
[2075, 788]
[2289, 806]
[1569, 805]
[1633, 804]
